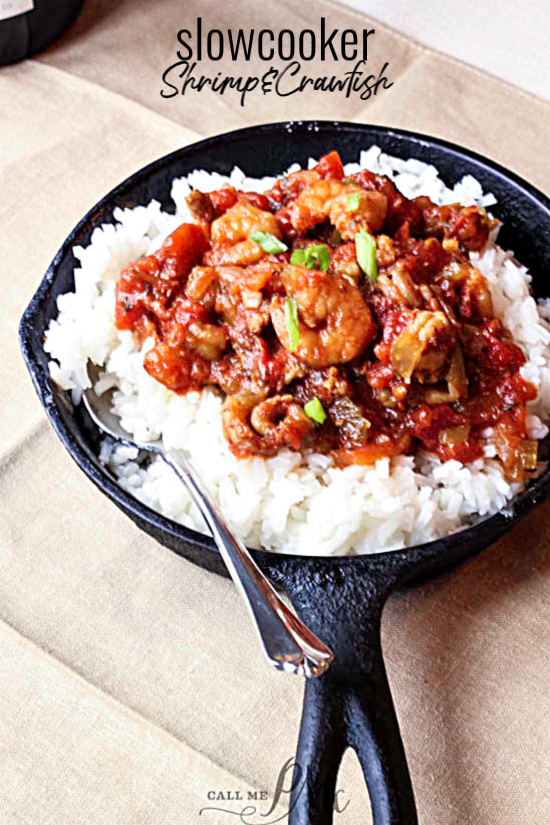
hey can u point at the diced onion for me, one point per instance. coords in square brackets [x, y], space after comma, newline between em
[454, 435]
[457, 379]
[406, 353]
[529, 455]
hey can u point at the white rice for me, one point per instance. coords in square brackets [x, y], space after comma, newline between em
[294, 503]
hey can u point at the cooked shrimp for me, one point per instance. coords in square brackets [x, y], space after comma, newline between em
[207, 340]
[231, 235]
[243, 440]
[281, 417]
[240, 221]
[313, 203]
[253, 425]
[355, 208]
[386, 253]
[240, 254]
[348, 207]
[176, 367]
[335, 324]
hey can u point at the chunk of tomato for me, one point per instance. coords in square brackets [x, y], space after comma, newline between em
[330, 166]
[181, 251]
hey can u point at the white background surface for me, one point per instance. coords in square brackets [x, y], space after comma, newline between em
[509, 39]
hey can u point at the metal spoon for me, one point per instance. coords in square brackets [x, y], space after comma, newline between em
[287, 643]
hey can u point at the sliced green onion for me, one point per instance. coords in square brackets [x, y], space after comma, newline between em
[269, 243]
[353, 202]
[314, 410]
[316, 256]
[347, 180]
[298, 257]
[365, 247]
[291, 321]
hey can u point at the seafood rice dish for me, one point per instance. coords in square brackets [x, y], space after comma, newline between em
[347, 356]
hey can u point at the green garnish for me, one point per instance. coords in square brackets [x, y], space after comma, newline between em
[269, 243]
[347, 180]
[298, 257]
[291, 321]
[314, 410]
[353, 202]
[365, 247]
[316, 256]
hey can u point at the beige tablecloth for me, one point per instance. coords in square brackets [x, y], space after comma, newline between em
[131, 683]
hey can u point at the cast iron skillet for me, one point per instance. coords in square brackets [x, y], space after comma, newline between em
[341, 599]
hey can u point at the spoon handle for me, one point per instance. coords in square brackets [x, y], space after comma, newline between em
[287, 643]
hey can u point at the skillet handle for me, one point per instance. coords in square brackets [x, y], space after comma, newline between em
[350, 705]
[373, 732]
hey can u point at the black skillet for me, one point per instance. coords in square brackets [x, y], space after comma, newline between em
[341, 599]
